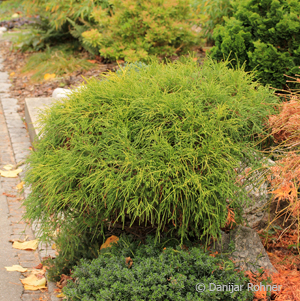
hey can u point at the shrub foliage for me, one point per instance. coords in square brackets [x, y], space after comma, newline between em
[59, 22]
[141, 28]
[265, 34]
[151, 273]
[157, 146]
[209, 14]
[130, 30]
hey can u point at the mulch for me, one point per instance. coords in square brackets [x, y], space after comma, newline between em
[22, 87]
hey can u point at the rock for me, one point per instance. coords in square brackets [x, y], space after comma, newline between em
[246, 249]
[60, 93]
[3, 29]
[196, 28]
[254, 211]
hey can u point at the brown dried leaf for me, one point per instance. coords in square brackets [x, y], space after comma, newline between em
[128, 262]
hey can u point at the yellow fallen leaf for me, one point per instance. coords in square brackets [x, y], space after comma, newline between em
[10, 173]
[20, 185]
[53, 247]
[27, 245]
[33, 283]
[49, 76]
[38, 272]
[12, 74]
[15, 15]
[61, 295]
[16, 268]
[109, 241]
[8, 167]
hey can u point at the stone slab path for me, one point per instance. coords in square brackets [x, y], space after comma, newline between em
[14, 147]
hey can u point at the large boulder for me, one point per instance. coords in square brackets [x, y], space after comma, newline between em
[245, 248]
[254, 212]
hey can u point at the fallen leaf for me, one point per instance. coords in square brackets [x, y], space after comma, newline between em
[53, 247]
[195, 59]
[11, 173]
[33, 283]
[12, 74]
[19, 240]
[8, 167]
[9, 195]
[27, 245]
[61, 295]
[38, 273]
[109, 241]
[92, 61]
[48, 76]
[20, 185]
[128, 262]
[39, 266]
[16, 268]
[63, 281]
[120, 61]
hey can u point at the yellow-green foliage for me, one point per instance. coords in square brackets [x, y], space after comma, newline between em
[59, 22]
[156, 145]
[55, 60]
[138, 29]
[210, 13]
[59, 11]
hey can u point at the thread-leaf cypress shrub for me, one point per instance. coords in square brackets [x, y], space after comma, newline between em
[156, 274]
[157, 146]
[266, 35]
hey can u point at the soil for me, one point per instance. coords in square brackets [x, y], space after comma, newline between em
[22, 87]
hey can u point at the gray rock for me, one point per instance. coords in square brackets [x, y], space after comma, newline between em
[246, 249]
[254, 212]
[60, 93]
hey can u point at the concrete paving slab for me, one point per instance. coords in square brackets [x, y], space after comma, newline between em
[3, 76]
[11, 287]
[32, 110]
[4, 87]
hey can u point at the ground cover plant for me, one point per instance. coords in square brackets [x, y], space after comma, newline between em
[265, 36]
[128, 271]
[59, 60]
[9, 8]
